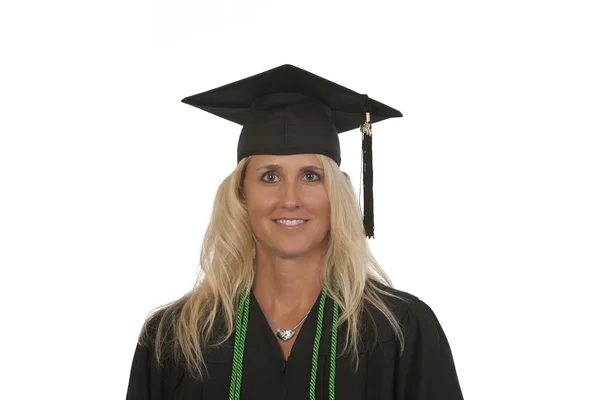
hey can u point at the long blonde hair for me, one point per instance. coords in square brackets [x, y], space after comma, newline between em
[205, 316]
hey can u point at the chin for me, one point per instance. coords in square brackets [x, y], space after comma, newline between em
[296, 249]
[292, 251]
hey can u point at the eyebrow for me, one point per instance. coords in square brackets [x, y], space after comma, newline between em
[277, 167]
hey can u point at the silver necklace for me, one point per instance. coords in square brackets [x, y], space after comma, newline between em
[284, 334]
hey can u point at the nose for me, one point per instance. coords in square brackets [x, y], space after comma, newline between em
[290, 195]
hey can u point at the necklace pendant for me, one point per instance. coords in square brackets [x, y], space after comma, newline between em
[285, 334]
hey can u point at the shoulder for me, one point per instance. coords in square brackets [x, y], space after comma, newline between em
[150, 329]
[399, 302]
[410, 312]
[157, 335]
[423, 364]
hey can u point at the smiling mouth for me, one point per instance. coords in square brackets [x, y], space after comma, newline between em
[290, 222]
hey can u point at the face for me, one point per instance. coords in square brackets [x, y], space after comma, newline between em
[287, 203]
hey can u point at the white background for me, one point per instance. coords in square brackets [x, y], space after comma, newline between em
[486, 192]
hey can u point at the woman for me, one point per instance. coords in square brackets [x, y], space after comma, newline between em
[292, 304]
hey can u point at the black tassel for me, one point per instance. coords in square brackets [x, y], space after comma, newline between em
[368, 219]
[367, 149]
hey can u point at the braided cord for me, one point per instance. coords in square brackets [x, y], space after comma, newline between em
[238, 347]
[332, 359]
[240, 341]
[315, 356]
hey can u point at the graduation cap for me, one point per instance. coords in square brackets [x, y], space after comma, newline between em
[287, 110]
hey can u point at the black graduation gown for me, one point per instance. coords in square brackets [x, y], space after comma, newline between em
[424, 371]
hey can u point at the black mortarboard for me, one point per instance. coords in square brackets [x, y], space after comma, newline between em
[287, 110]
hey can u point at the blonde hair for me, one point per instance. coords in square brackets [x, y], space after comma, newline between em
[205, 316]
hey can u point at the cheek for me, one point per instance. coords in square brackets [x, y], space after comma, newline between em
[259, 205]
[320, 205]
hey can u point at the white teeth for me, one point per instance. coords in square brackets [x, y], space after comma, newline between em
[290, 222]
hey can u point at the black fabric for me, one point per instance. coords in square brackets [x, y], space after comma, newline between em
[287, 110]
[290, 123]
[425, 370]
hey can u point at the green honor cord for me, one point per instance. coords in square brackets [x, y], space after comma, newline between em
[240, 340]
[238, 353]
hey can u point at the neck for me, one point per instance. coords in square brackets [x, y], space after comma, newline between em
[287, 287]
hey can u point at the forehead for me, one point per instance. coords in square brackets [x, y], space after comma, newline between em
[287, 161]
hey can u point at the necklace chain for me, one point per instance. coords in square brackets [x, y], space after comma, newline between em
[284, 334]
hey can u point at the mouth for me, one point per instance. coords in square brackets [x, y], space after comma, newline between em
[290, 223]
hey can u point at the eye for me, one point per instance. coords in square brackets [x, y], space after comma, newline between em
[312, 176]
[269, 177]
